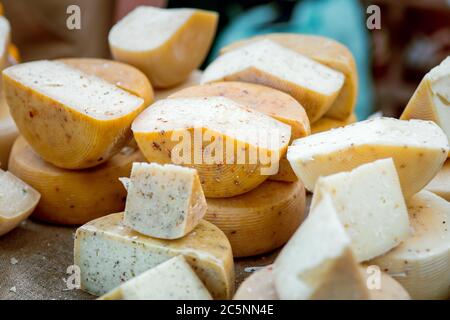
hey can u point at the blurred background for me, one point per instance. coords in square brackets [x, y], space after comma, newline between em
[414, 34]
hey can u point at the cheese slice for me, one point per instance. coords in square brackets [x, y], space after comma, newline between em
[440, 184]
[192, 80]
[325, 51]
[71, 119]
[326, 123]
[422, 262]
[17, 201]
[418, 148]
[265, 62]
[166, 44]
[318, 262]
[109, 253]
[73, 197]
[164, 201]
[5, 38]
[370, 206]
[233, 148]
[170, 280]
[261, 220]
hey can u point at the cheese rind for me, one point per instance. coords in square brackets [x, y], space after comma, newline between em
[109, 253]
[192, 80]
[418, 148]
[260, 220]
[165, 202]
[326, 123]
[440, 184]
[170, 280]
[166, 44]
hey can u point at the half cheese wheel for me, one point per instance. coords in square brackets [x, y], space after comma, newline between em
[440, 184]
[71, 119]
[326, 123]
[260, 220]
[193, 80]
[73, 197]
[166, 44]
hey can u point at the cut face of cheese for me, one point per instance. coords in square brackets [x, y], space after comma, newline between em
[370, 206]
[5, 38]
[71, 119]
[170, 280]
[260, 220]
[440, 184]
[166, 44]
[110, 253]
[422, 262]
[164, 201]
[418, 148]
[17, 201]
[233, 148]
[192, 80]
[265, 62]
[73, 197]
[326, 123]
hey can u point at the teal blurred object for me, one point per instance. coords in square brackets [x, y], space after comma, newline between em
[342, 20]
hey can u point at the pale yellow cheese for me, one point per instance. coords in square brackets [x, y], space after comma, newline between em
[440, 184]
[326, 123]
[8, 132]
[192, 80]
[5, 38]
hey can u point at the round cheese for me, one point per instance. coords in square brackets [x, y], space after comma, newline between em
[440, 184]
[326, 123]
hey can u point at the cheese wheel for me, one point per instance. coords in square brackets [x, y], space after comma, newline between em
[72, 120]
[192, 80]
[260, 220]
[73, 197]
[440, 184]
[166, 44]
[109, 253]
[418, 148]
[266, 62]
[326, 123]
[17, 201]
[325, 51]
[233, 148]
[422, 262]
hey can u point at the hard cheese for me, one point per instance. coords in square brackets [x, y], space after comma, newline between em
[418, 148]
[164, 201]
[440, 184]
[8, 132]
[5, 38]
[109, 254]
[326, 123]
[192, 80]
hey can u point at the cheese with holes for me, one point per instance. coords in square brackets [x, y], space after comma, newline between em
[109, 253]
[17, 201]
[164, 201]
[422, 262]
[265, 62]
[440, 184]
[233, 148]
[261, 220]
[318, 262]
[73, 197]
[71, 119]
[192, 80]
[418, 148]
[170, 280]
[166, 44]
[326, 123]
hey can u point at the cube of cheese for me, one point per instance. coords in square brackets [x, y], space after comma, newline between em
[109, 253]
[370, 206]
[164, 201]
[440, 184]
[170, 280]
[266, 62]
[418, 148]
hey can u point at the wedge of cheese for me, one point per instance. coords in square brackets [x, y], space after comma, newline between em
[71, 119]
[418, 148]
[166, 44]
[422, 262]
[440, 184]
[233, 148]
[73, 197]
[431, 100]
[170, 280]
[192, 80]
[370, 206]
[164, 201]
[17, 201]
[326, 123]
[265, 62]
[5, 38]
[261, 220]
[318, 262]
[109, 253]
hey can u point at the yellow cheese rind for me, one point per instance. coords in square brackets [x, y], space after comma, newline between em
[326, 123]
[260, 220]
[325, 51]
[192, 80]
[440, 184]
[171, 62]
[73, 197]
[109, 253]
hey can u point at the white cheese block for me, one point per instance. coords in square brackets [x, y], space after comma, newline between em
[440, 184]
[266, 62]
[370, 206]
[109, 253]
[422, 262]
[163, 201]
[418, 148]
[170, 280]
